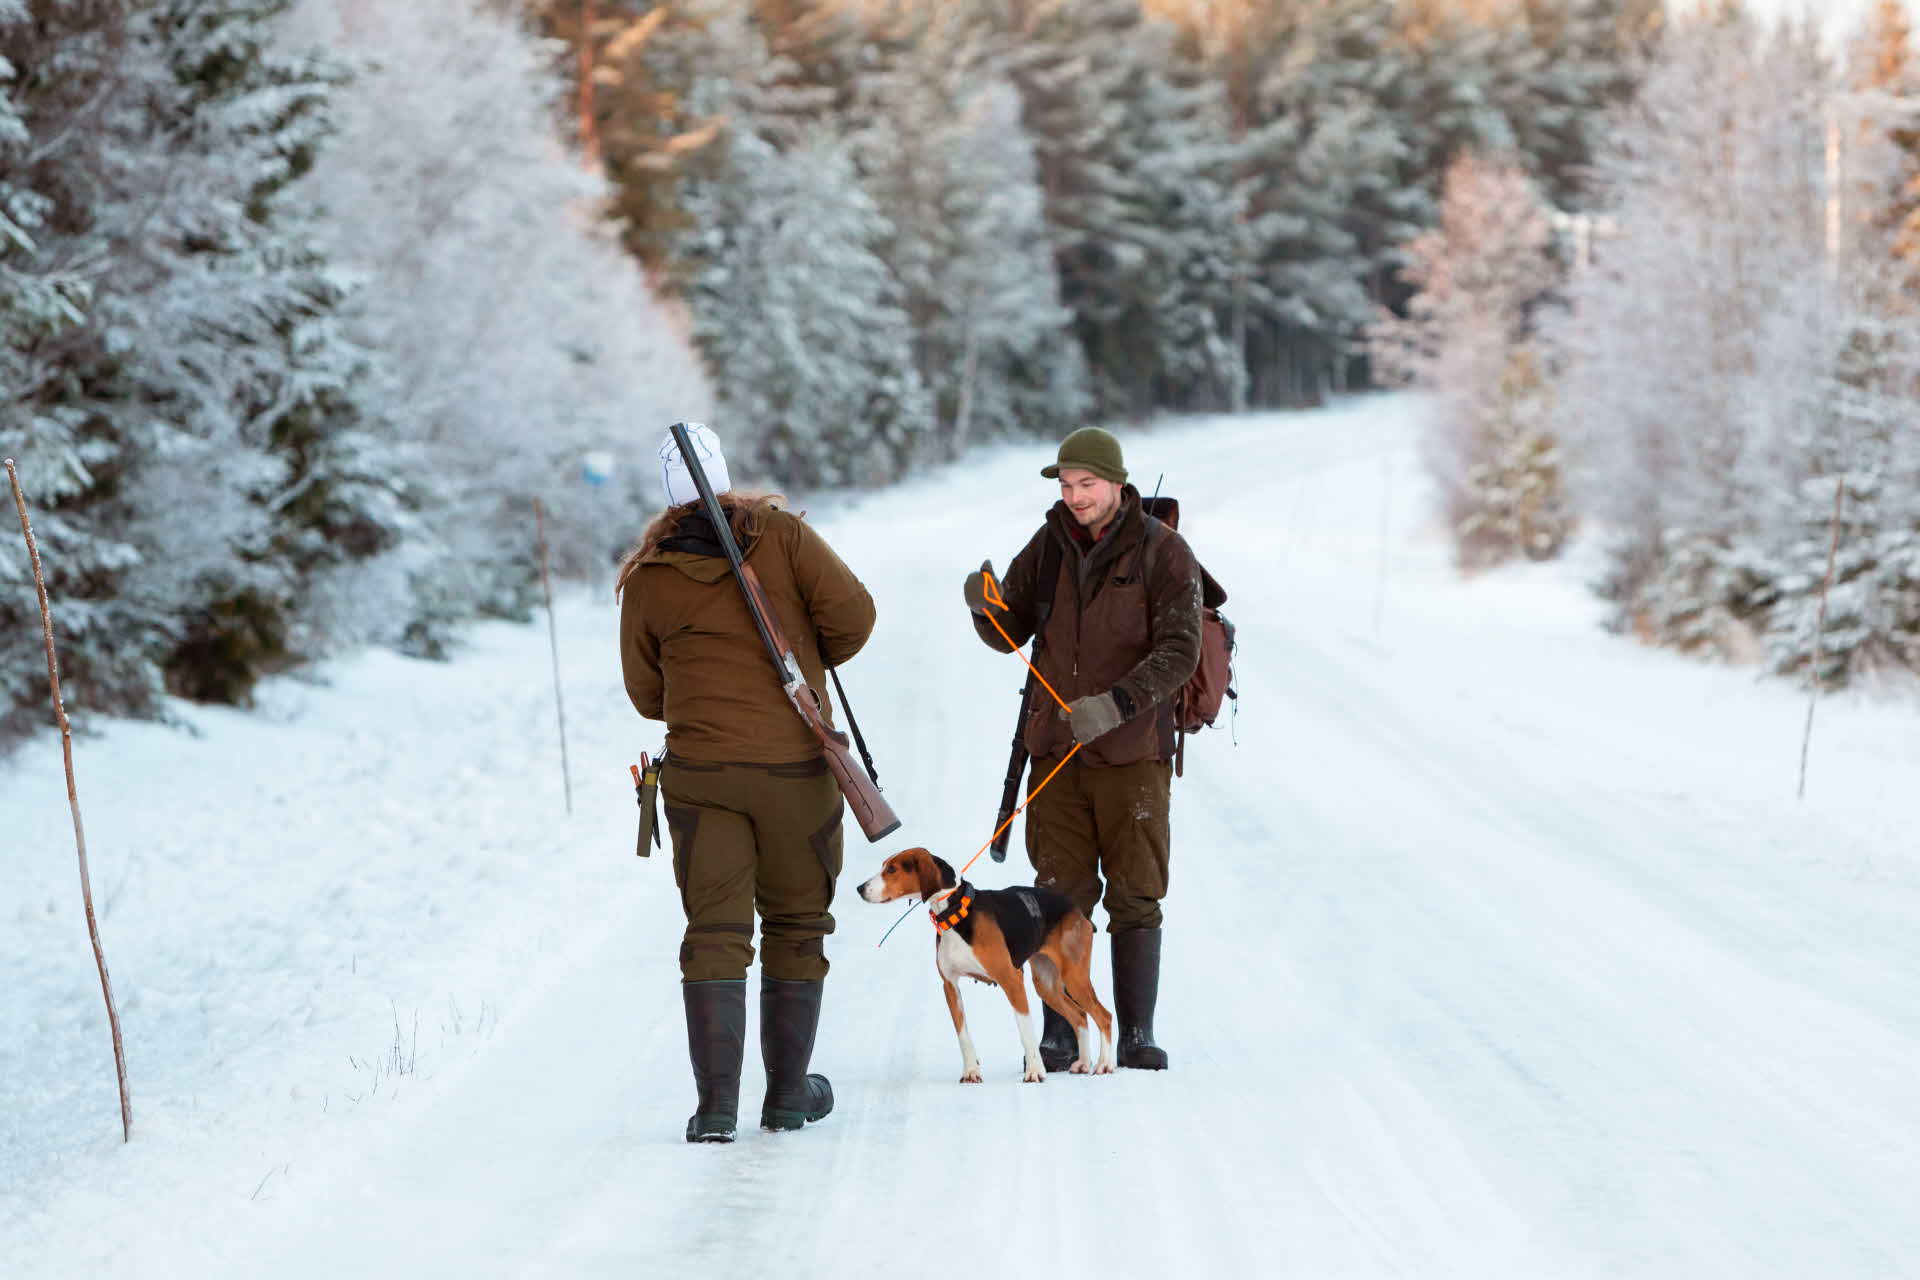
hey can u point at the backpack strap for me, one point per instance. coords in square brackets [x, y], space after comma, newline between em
[1046, 584]
[1157, 531]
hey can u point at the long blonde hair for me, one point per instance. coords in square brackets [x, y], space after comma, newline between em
[746, 512]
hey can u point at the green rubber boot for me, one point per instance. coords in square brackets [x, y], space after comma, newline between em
[1059, 1042]
[789, 1015]
[716, 1041]
[1136, 989]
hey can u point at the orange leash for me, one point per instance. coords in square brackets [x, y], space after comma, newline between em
[983, 848]
[1022, 809]
[995, 599]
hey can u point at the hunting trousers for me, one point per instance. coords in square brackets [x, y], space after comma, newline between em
[1090, 823]
[753, 839]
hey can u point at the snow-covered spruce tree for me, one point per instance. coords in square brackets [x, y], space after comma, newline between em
[1345, 113]
[1584, 59]
[1139, 203]
[514, 334]
[947, 161]
[799, 317]
[1694, 347]
[1853, 445]
[1467, 339]
[197, 428]
[1532, 77]
[252, 314]
[1435, 76]
[953, 173]
[42, 300]
[794, 310]
[1861, 442]
[1196, 239]
[1320, 165]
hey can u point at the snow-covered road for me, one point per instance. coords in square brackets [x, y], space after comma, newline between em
[1496, 947]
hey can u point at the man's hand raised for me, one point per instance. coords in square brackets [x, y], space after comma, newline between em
[976, 587]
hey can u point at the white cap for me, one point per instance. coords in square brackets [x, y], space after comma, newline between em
[673, 468]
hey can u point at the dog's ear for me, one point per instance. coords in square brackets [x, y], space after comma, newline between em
[947, 878]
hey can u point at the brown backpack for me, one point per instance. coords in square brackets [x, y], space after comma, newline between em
[1197, 706]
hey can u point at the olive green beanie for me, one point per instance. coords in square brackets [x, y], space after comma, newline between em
[1090, 449]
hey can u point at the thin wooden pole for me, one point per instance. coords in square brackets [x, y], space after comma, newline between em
[1820, 631]
[73, 802]
[553, 638]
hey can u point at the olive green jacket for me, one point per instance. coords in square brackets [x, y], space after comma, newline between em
[692, 657]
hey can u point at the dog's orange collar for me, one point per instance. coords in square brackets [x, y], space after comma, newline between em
[957, 913]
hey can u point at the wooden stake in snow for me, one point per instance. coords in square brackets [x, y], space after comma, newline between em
[73, 801]
[553, 637]
[1820, 631]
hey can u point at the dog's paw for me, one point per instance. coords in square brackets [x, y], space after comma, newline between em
[973, 1077]
[1079, 1068]
[1104, 1069]
[1035, 1075]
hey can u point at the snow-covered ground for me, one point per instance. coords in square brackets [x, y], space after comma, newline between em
[1497, 947]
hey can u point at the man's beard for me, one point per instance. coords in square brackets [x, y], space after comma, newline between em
[1098, 516]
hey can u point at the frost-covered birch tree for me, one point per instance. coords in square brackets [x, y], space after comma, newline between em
[1728, 362]
[514, 335]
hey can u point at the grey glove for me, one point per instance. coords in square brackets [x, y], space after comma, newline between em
[1092, 716]
[976, 587]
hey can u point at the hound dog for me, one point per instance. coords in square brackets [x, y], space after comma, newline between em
[990, 935]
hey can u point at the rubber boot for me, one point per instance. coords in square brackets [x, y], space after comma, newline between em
[1136, 988]
[716, 1041]
[1059, 1042]
[789, 1015]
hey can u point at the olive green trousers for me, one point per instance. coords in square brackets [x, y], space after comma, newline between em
[1094, 823]
[753, 839]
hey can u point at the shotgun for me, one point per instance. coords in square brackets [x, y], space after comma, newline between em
[870, 808]
[1016, 765]
[1047, 576]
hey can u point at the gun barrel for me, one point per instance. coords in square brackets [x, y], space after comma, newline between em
[870, 808]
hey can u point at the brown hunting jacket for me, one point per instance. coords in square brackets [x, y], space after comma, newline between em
[692, 657]
[1109, 629]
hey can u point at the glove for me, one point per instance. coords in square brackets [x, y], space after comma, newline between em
[1092, 716]
[976, 587]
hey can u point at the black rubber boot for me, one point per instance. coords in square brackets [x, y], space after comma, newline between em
[1059, 1042]
[789, 1015]
[1136, 988]
[716, 1041]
